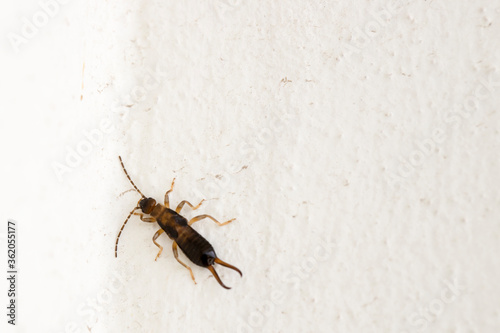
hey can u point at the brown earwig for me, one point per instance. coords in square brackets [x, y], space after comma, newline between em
[194, 246]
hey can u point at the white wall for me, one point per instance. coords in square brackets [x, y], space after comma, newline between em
[356, 144]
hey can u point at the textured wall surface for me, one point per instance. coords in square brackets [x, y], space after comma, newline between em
[356, 144]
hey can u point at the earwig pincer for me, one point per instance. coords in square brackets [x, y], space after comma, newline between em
[177, 227]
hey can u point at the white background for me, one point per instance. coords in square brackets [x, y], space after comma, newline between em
[356, 144]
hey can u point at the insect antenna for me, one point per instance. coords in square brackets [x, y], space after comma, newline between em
[123, 226]
[126, 173]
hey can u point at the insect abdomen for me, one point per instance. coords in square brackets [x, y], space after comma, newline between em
[195, 247]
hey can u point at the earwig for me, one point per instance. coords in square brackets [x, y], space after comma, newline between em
[177, 227]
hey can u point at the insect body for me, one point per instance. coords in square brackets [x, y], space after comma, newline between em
[177, 227]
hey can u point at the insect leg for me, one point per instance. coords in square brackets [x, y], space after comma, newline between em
[166, 194]
[176, 255]
[201, 217]
[179, 207]
[155, 237]
[145, 218]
